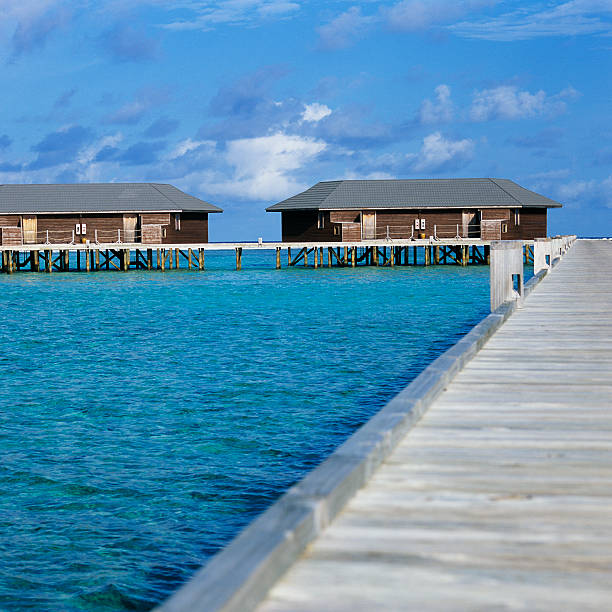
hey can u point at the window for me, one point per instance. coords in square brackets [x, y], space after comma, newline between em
[337, 230]
[504, 228]
[78, 229]
[417, 224]
[177, 222]
[83, 228]
[422, 223]
[517, 216]
[321, 221]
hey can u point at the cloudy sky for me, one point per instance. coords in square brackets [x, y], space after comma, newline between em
[245, 102]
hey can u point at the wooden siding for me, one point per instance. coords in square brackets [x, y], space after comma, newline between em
[351, 232]
[194, 228]
[344, 216]
[151, 234]
[10, 236]
[301, 225]
[10, 220]
[155, 219]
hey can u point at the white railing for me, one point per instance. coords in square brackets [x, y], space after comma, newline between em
[435, 231]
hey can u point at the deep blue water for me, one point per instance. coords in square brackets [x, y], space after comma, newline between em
[146, 417]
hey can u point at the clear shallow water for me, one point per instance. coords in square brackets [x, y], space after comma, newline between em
[146, 417]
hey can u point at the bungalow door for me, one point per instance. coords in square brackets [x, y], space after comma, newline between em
[130, 225]
[29, 227]
[368, 226]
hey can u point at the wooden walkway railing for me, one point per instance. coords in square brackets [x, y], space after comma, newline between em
[501, 497]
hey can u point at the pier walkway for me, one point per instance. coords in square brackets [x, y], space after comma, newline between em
[500, 498]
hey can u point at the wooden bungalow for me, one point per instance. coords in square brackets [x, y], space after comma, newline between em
[482, 208]
[147, 213]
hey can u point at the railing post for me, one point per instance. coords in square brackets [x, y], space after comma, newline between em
[72, 237]
[47, 239]
[435, 232]
[506, 272]
[119, 235]
[387, 232]
[542, 254]
[96, 236]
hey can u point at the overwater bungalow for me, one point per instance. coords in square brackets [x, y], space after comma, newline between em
[147, 213]
[355, 210]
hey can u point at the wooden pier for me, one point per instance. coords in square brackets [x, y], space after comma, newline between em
[74, 257]
[500, 498]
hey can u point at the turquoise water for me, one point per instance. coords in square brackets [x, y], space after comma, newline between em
[146, 417]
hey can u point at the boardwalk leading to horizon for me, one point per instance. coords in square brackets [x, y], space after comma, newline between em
[501, 497]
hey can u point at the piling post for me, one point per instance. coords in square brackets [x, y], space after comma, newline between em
[200, 259]
[35, 259]
[353, 256]
[305, 257]
[87, 261]
[506, 272]
[414, 256]
[436, 255]
[239, 258]
[391, 256]
[427, 255]
[78, 258]
[189, 258]
[49, 261]
[329, 257]
[345, 256]
[278, 258]
[158, 259]
[162, 259]
[10, 262]
[126, 259]
[321, 257]
[288, 256]
[150, 259]
[170, 259]
[316, 257]
[97, 259]
[176, 259]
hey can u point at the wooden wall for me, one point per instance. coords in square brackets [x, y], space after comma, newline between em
[194, 228]
[301, 226]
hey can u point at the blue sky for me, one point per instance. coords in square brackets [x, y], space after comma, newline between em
[245, 102]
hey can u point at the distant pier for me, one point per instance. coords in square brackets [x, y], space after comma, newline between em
[91, 257]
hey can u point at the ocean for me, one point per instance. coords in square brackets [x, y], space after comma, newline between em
[146, 417]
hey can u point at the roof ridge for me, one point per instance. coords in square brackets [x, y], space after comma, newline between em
[494, 181]
[154, 185]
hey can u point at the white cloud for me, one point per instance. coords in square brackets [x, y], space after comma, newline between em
[345, 29]
[508, 102]
[574, 18]
[314, 112]
[413, 15]
[263, 165]
[439, 153]
[188, 145]
[440, 110]
[129, 113]
[207, 15]
[88, 154]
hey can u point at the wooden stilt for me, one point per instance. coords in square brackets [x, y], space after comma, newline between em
[87, 256]
[487, 254]
[200, 259]
[162, 259]
[239, 258]
[150, 259]
[176, 259]
[78, 254]
[288, 256]
[49, 261]
[278, 258]
[427, 256]
[321, 257]
[375, 255]
[97, 259]
[436, 255]
[189, 258]
[329, 257]
[35, 259]
[345, 256]
[353, 256]
[107, 259]
[305, 256]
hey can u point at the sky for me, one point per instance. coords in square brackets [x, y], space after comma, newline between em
[246, 102]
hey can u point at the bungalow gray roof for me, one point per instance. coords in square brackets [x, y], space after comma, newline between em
[415, 193]
[98, 197]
